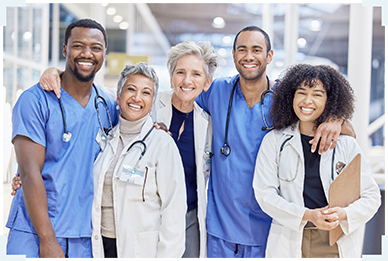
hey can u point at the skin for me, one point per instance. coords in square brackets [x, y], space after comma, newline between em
[189, 79]
[85, 54]
[136, 97]
[309, 103]
[251, 60]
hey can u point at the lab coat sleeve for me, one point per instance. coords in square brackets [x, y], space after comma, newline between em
[363, 209]
[172, 192]
[266, 186]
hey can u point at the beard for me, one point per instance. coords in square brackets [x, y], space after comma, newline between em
[252, 75]
[81, 77]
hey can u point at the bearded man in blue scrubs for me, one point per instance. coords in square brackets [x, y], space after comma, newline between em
[51, 216]
[236, 225]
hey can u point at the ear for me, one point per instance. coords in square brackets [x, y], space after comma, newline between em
[64, 50]
[118, 98]
[172, 87]
[207, 84]
[269, 56]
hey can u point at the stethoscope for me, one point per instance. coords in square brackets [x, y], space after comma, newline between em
[66, 136]
[142, 143]
[297, 167]
[225, 150]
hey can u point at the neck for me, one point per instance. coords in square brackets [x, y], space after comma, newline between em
[253, 89]
[182, 106]
[307, 128]
[80, 91]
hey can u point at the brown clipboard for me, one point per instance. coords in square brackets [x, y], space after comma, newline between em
[344, 190]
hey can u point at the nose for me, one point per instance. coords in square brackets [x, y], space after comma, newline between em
[308, 99]
[249, 55]
[187, 79]
[137, 96]
[87, 51]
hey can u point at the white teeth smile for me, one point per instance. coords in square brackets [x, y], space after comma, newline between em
[249, 66]
[136, 107]
[307, 109]
[186, 89]
[85, 63]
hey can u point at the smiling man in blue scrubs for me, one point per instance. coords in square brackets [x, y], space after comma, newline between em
[236, 225]
[51, 215]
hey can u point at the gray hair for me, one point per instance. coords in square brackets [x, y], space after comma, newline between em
[141, 69]
[203, 50]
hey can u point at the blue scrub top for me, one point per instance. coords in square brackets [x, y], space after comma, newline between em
[68, 167]
[233, 213]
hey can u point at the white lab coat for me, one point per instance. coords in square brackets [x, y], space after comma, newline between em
[162, 112]
[283, 200]
[149, 218]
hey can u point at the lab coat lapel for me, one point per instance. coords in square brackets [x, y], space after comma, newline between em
[164, 113]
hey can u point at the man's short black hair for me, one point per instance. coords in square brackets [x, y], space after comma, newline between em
[254, 28]
[85, 23]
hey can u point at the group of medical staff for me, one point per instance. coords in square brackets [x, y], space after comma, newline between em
[195, 184]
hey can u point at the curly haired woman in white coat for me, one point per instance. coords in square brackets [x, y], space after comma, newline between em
[291, 183]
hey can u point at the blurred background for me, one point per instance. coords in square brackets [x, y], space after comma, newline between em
[348, 37]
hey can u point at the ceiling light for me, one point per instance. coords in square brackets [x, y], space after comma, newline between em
[123, 25]
[218, 22]
[315, 25]
[104, 4]
[302, 43]
[222, 51]
[117, 18]
[227, 39]
[111, 11]
[27, 36]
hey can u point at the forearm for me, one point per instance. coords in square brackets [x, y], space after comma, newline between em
[347, 129]
[35, 199]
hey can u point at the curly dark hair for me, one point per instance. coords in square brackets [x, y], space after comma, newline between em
[340, 96]
[85, 23]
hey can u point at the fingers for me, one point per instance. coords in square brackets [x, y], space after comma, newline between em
[51, 81]
[314, 142]
[162, 126]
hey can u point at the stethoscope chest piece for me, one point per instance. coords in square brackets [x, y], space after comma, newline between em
[225, 150]
[66, 136]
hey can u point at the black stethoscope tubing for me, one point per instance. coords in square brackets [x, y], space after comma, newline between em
[141, 142]
[225, 149]
[66, 136]
[296, 173]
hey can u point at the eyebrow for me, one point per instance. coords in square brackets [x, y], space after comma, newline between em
[253, 47]
[131, 84]
[302, 88]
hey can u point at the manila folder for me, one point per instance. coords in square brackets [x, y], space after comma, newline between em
[344, 190]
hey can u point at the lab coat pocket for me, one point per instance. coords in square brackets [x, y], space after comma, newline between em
[146, 244]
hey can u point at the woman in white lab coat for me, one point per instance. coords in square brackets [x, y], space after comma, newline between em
[191, 66]
[291, 183]
[139, 201]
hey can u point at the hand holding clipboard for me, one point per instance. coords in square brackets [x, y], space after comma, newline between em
[344, 190]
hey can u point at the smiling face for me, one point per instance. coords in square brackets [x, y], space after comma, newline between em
[189, 78]
[250, 56]
[84, 52]
[136, 97]
[309, 103]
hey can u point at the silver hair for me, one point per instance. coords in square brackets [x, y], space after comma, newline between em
[141, 69]
[203, 50]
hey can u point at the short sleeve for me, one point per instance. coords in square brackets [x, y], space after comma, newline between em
[203, 98]
[29, 118]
